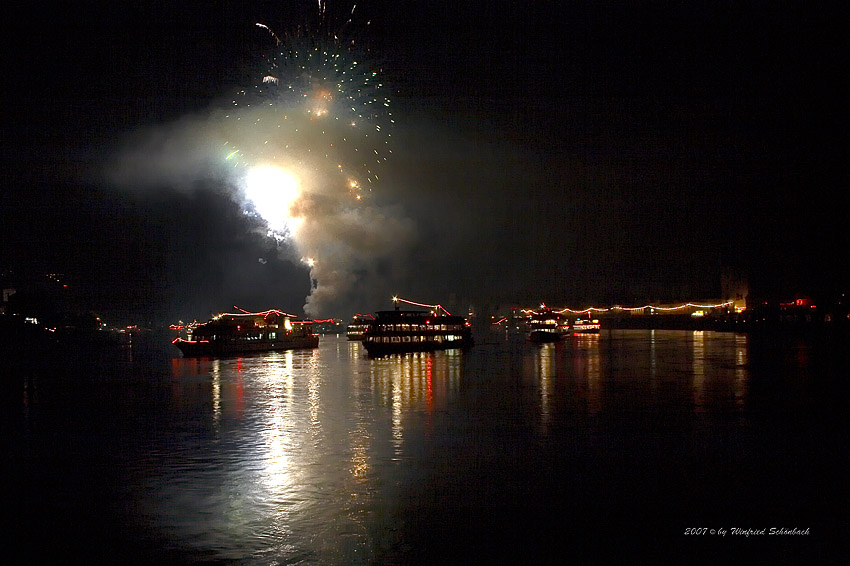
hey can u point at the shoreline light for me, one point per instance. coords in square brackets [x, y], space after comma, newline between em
[652, 307]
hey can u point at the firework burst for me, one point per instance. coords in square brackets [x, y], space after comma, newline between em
[307, 143]
[301, 150]
[317, 105]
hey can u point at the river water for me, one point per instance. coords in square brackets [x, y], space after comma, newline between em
[600, 449]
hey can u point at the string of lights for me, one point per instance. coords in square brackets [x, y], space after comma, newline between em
[441, 307]
[632, 309]
[246, 313]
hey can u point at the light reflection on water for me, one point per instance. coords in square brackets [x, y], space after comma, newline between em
[311, 456]
[308, 442]
[305, 441]
[302, 442]
[698, 356]
[544, 369]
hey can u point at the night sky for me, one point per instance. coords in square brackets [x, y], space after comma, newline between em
[572, 154]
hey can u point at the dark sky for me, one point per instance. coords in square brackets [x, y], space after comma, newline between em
[566, 152]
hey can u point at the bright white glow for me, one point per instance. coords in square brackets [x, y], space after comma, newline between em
[273, 191]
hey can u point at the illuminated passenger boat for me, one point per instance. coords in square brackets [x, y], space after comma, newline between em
[547, 325]
[358, 326]
[398, 331]
[237, 333]
[581, 326]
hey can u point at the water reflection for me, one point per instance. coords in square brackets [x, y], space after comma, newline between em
[271, 483]
[588, 346]
[544, 368]
[719, 371]
[741, 364]
[414, 382]
[216, 395]
[638, 370]
[698, 368]
[565, 375]
[286, 456]
[327, 457]
[653, 360]
[411, 381]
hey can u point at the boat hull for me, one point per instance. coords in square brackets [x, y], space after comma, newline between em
[204, 348]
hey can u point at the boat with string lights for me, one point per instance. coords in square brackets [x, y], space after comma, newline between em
[244, 332]
[400, 331]
[586, 326]
[358, 325]
[546, 325]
